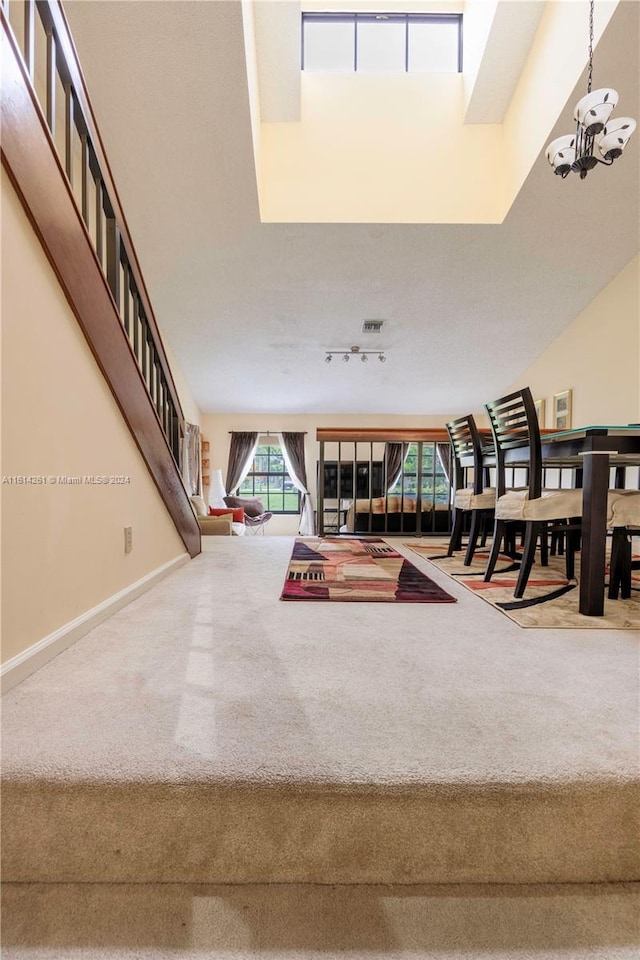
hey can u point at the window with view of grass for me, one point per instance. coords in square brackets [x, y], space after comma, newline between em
[269, 481]
[434, 485]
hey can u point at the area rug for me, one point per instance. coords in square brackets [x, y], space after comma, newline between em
[356, 569]
[550, 600]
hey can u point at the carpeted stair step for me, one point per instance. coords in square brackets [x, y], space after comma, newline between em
[191, 922]
[288, 833]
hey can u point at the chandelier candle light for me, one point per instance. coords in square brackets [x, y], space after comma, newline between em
[598, 139]
[355, 352]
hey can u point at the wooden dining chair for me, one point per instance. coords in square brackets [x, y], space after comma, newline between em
[476, 501]
[514, 425]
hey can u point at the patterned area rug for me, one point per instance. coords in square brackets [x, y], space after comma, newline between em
[356, 569]
[550, 600]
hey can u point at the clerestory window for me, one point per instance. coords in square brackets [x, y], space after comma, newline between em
[382, 42]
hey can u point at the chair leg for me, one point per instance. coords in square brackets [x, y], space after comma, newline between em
[499, 529]
[510, 539]
[621, 565]
[614, 564]
[486, 517]
[532, 532]
[473, 537]
[544, 546]
[572, 545]
[625, 572]
[456, 534]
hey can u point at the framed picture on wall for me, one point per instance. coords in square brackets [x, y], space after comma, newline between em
[562, 410]
[539, 405]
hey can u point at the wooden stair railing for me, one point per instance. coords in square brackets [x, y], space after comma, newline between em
[54, 157]
[360, 444]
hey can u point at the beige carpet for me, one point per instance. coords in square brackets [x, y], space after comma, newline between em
[550, 600]
[192, 922]
[211, 733]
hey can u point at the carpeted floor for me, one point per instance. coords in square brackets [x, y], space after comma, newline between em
[248, 922]
[550, 600]
[210, 733]
[356, 569]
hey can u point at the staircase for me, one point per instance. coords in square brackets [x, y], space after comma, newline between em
[54, 156]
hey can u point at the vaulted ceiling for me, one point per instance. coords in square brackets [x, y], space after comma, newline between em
[249, 308]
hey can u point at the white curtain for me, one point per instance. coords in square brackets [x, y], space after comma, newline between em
[191, 472]
[292, 445]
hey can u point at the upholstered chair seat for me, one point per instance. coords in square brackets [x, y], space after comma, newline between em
[466, 499]
[625, 508]
[552, 505]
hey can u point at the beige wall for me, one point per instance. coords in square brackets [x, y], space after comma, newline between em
[190, 408]
[366, 144]
[597, 357]
[63, 545]
[216, 427]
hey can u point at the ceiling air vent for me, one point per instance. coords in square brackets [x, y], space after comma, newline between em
[372, 326]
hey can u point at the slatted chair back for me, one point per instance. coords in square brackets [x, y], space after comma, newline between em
[514, 425]
[466, 444]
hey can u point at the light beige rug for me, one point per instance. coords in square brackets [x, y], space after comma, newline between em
[550, 600]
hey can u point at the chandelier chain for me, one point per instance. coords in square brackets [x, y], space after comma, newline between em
[590, 76]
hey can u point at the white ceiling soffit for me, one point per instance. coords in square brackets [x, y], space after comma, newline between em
[510, 37]
[277, 31]
[277, 36]
[249, 308]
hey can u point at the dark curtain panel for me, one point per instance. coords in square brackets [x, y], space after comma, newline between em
[293, 451]
[444, 456]
[394, 457]
[241, 453]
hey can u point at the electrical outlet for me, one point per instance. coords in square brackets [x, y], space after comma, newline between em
[128, 539]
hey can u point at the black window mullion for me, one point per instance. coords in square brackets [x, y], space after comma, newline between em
[355, 43]
[406, 45]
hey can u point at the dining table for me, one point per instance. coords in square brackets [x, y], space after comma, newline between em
[597, 448]
[592, 451]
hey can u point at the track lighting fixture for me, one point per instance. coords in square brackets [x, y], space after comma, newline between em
[355, 352]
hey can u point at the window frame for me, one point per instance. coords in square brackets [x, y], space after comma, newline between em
[355, 18]
[273, 449]
[426, 478]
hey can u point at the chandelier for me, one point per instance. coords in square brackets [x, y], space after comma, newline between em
[355, 352]
[598, 138]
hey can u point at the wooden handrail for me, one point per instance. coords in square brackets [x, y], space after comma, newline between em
[383, 434]
[37, 172]
[63, 32]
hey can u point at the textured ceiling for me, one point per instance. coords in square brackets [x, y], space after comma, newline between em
[250, 308]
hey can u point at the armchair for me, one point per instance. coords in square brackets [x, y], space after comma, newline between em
[255, 516]
[214, 526]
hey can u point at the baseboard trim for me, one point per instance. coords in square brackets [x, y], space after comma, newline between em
[21, 666]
